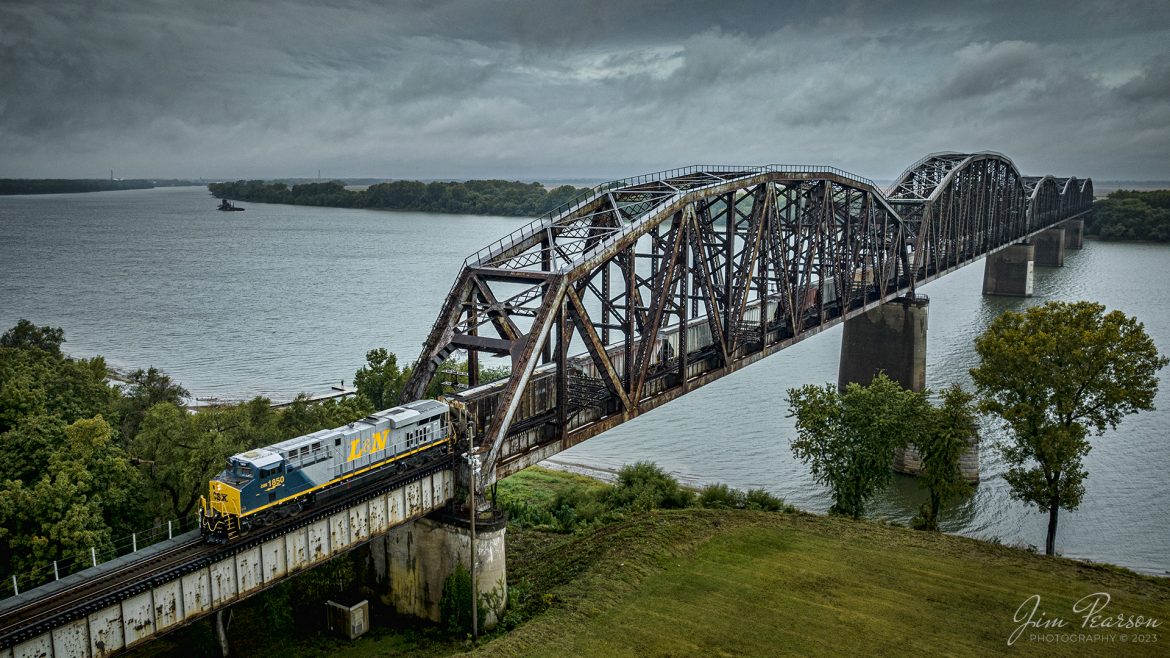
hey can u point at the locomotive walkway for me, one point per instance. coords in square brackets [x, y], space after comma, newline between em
[629, 297]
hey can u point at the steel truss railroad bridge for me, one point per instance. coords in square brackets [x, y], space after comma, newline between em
[590, 301]
[629, 297]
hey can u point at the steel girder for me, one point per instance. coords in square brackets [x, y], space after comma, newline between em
[648, 287]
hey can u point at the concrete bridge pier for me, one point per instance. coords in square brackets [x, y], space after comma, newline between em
[1009, 271]
[418, 558]
[1050, 247]
[1074, 234]
[892, 339]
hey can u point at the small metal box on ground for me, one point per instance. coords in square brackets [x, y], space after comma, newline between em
[348, 621]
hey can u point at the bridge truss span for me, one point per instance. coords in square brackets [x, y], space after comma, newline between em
[646, 288]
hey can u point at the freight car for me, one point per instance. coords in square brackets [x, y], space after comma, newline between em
[266, 484]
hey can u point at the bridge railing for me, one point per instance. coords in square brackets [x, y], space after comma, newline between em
[92, 556]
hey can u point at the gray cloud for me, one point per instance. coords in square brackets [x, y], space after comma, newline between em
[539, 89]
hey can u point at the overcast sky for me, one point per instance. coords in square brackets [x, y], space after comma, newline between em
[538, 90]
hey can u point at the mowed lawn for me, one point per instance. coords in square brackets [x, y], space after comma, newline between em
[711, 583]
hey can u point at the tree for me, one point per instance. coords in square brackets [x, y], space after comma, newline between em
[26, 448]
[1055, 373]
[87, 495]
[848, 438]
[26, 335]
[950, 429]
[146, 389]
[380, 381]
[303, 416]
[179, 452]
[38, 381]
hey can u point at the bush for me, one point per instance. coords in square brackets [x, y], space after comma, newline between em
[644, 486]
[763, 500]
[720, 496]
[455, 603]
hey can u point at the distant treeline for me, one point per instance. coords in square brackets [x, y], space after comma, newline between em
[68, 185]
[1131, 215]
[475, 197]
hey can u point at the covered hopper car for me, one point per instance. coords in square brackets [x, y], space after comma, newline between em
[266, 484]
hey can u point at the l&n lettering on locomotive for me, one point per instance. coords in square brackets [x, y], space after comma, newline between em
[361, 447]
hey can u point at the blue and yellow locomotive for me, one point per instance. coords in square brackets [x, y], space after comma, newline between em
[265, 484]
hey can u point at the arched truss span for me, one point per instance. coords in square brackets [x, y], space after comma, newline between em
[648, 287]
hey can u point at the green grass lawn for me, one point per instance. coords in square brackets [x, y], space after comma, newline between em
[705, 582]
[540, 486]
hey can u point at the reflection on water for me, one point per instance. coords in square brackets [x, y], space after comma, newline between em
[282, 299]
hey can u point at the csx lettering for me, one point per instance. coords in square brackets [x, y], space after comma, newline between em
[273, 483]
[219, 497]
[361, 447]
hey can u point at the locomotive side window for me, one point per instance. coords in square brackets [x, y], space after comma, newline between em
[245, 470]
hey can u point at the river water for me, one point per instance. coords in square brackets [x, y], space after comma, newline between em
[282, 299]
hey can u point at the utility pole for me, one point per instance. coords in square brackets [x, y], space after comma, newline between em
[471, 462]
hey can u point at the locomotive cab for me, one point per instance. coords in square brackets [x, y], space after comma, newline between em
[251, 480]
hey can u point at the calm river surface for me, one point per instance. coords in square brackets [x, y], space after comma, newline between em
[282, 299]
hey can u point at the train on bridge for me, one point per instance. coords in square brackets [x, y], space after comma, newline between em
[278, 481]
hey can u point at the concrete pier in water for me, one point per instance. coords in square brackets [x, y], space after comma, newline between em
[1074, 234]
[892, 339]
[1050, 247]
[1009, 271]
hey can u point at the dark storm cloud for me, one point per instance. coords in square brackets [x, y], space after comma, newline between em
[541, 89]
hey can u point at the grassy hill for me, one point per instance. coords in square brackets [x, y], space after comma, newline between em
[722, 582]
[709, 582]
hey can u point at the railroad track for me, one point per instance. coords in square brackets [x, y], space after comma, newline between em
[60, 606]
[35, 611]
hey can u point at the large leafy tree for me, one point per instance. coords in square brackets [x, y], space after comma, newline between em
[179, 452]
[302, 416]
[36, 381]
[848, 438]
[26, 335]
[1056, 373]
[380, 381]
[147, 388]
[86, 495]
[26, 448]
[950, 429]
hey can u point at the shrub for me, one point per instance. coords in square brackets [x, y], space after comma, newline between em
[721, 496]
[644, 486]
[455, 603]
[763, 500]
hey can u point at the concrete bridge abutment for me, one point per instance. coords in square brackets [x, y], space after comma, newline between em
[1009, 271]
[420, 556]
[1050, 247]
[892, 339]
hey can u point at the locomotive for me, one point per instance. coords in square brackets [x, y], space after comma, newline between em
[262, 485]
